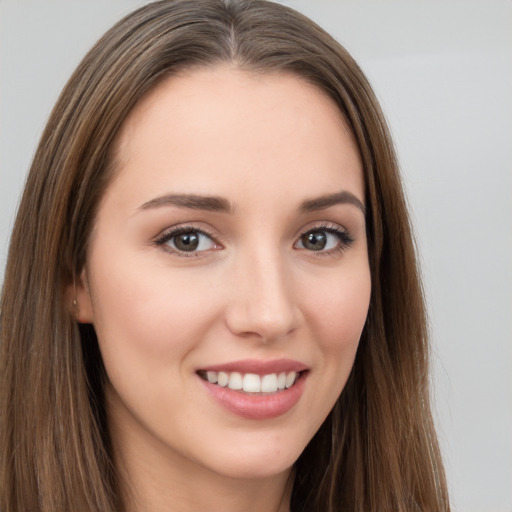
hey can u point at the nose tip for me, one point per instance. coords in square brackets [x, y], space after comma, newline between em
[263, 305]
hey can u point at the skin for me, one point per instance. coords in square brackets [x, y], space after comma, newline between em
[265, 143]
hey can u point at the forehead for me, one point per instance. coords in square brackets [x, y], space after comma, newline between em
[222, 126]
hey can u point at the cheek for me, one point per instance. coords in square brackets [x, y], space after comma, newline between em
[340, 307]
[337, 314]
[151, 315]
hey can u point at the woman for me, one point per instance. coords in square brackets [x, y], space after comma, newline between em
[215, 253]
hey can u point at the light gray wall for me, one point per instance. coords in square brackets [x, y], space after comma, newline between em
[443, 72]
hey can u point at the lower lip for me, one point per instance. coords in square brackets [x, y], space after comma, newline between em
[257, 406]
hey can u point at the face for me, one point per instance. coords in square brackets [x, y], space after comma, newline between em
[228, 252]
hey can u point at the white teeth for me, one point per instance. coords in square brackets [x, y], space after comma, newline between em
[212, 377]
[223, 379]
[290, 379]
[251, 382]
[269, 383]
[281, 380]
[235, 381]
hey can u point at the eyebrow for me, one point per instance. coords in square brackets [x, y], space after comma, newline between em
[194, 202]
[219, 204]
[323, 202]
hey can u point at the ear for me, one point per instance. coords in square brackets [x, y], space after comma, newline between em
[79, 301]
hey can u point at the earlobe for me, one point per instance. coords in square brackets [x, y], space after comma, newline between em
[79, 299]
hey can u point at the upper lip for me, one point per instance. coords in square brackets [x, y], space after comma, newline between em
[258, 366]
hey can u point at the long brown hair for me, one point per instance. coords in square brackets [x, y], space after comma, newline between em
[376, 451]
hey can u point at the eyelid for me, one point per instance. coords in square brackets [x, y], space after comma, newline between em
[169, 233]
[345, 238]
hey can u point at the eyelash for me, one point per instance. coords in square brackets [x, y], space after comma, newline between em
[169, 235]
[344, 238]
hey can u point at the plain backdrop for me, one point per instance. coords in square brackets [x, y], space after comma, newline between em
[443, 72]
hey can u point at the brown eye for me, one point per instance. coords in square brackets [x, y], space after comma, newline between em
[186, 241]
[314, 240]
[324, 240]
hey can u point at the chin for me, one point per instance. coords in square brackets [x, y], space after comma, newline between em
[258, 459]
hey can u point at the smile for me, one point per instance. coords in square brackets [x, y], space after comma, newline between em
[252, 382]
[256, 390]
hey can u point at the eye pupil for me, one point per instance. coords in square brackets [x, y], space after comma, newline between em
[314, 240]
[186, 241]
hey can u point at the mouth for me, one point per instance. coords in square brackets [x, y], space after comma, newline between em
[252, 383]
[255, 389]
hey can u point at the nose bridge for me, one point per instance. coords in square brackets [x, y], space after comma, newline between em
[263, 302]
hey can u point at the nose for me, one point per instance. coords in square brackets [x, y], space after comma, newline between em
[263, 303]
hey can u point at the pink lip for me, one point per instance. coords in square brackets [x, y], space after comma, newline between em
[258, 366]
[257, 406]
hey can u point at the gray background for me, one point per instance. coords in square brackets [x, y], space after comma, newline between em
[443, 72]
